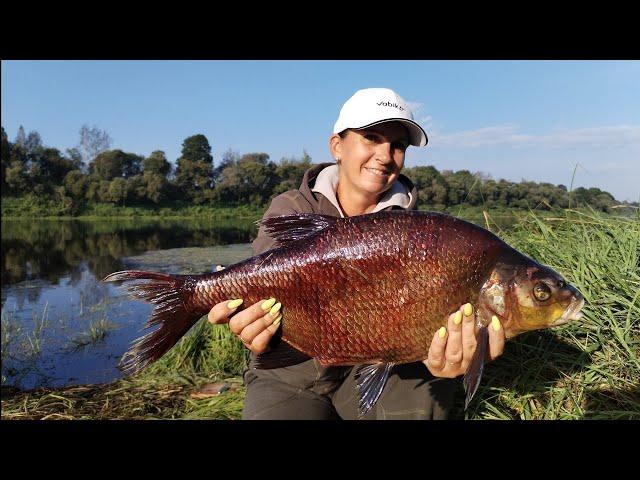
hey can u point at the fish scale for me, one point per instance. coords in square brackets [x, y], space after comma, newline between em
[339, 289]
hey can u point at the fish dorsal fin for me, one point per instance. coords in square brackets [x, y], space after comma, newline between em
[370, 380]
[476, 367]
[285, 229]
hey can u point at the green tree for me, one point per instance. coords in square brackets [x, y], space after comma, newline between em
[17, 178]
[75, 156]
[251, 180]
[5, 158]
[156, 187]
[76, 183]
[290, 171]
[431, 185]
[157, 163]
[194, 168]
[117, 191]
[16, 174]
[52, 164]
[115, 163]
[229, 158]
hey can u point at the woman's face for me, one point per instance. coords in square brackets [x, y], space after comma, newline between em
[371, 159]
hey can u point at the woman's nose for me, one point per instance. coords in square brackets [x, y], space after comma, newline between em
[383, 152]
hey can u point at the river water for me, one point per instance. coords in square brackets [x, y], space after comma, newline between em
[60, 324]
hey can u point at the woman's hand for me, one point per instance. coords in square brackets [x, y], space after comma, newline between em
[255, 325]
[452, 348]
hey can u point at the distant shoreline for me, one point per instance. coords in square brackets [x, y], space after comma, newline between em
[101, 212]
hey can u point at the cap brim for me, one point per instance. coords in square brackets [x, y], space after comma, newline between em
[417, 135]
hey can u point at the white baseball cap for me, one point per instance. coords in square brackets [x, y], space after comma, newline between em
[372, 106]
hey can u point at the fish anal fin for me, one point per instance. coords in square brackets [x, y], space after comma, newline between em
[285, 229]
[370, 381]
[473, 376]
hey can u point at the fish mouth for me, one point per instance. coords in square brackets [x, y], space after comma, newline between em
[571, 313]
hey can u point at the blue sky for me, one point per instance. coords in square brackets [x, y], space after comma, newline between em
[517, 120]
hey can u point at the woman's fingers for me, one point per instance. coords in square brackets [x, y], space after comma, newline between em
[453, 350]
[435, 360]
[261, 341]
[469, 342]
[221, 311]
[252, 330]
[496, 338]
[256, 324]
[250, 314]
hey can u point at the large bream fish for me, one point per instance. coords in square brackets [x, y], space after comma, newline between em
[367, 290]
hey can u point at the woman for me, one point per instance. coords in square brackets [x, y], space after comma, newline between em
[369, 140]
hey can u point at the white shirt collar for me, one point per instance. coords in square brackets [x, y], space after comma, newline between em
[327, 185]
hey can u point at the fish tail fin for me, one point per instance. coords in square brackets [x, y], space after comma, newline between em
[170, 294]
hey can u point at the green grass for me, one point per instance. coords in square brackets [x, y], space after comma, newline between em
[97, 332]
[587, 369]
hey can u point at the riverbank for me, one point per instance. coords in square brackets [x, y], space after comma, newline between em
[29, 208]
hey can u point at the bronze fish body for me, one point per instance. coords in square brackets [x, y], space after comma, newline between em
[366, 290]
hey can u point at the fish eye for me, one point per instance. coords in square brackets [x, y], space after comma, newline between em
[541, 291]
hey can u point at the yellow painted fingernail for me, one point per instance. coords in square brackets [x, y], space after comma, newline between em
[234, 303]
[267, 304]
[442, 332]
[495, 323]
[457, 318]
[468, 309]
[277, 320]
[275, 309]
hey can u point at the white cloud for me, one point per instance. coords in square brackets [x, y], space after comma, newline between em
[508, 135]
[415, 107]
[426, 122]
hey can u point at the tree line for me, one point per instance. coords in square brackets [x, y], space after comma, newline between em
[93, 172]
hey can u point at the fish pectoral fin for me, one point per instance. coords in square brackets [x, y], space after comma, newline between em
[285, 229]
[473, 376]
[280, 355]
[370, 381]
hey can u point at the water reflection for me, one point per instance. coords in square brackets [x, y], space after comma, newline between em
[47, 250]
[53, 301]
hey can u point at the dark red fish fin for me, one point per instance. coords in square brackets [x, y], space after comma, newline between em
[474, 372]
[280, 355]
[370, 381]
[168, 293]
[285, 229]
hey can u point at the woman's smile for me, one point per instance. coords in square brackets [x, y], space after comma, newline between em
[378, 172]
